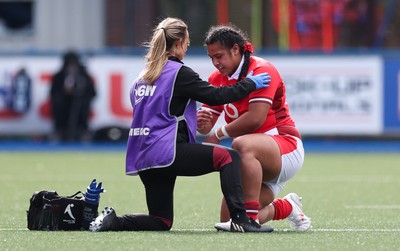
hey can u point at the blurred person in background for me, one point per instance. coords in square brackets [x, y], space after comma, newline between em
[262, 129]
[161, 144]
[72, 91]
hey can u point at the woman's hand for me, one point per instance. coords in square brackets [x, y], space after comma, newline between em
[204, 121]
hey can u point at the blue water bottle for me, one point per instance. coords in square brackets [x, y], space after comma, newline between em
[92, 199]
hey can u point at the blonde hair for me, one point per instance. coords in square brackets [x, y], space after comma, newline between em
[164, 35]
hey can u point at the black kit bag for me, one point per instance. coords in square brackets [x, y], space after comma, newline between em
[50, 211]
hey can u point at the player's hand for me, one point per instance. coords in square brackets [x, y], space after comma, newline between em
[204, 118]
[261, 80]
[93, 192]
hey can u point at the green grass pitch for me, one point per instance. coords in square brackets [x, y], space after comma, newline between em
[352, 199]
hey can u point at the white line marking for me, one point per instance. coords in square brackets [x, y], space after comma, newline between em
[13, 229]
[356, 230]
[276, 230]
[372, 206]
[311, 230]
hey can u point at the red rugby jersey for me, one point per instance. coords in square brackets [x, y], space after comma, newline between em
[275, 94]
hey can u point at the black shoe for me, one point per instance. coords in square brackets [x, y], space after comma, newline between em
[248, 225]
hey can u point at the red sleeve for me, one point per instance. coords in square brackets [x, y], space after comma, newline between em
[265, 94]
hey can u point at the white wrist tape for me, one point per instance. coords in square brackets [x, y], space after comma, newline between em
[224, 132]
[216, 134]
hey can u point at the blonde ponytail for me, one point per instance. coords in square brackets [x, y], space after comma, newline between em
[164, 35]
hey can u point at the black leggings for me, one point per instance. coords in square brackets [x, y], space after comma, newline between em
[191, 160]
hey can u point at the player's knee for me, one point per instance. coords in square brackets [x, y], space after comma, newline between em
[240, 144]
[164, 224]
[223, 157]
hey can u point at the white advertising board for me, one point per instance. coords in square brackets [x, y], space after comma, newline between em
[329, 95]
[326, 94]
[334, 95]
[111, 106]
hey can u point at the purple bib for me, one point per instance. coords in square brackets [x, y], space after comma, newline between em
[152, 137]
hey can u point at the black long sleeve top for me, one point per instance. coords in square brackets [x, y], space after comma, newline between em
[189, 85]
